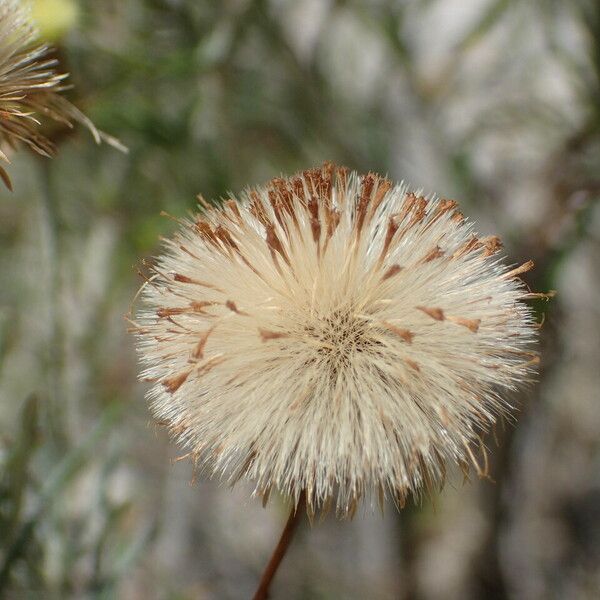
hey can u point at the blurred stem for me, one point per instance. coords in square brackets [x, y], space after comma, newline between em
[410, 539]
[53, 352]
[488, 576]
[262, 591]
[55, 484]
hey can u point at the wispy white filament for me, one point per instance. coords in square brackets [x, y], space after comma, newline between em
[332, 334]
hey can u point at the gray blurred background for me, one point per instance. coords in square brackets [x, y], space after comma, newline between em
[495, 103]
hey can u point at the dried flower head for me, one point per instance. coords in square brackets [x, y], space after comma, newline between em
[333, 334]
[30, 87]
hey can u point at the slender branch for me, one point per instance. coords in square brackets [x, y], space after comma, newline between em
[262, 591]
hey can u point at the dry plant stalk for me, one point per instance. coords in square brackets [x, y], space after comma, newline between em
[333, 336]
[30, 88]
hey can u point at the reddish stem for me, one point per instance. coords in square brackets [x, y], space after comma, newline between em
[262, 592]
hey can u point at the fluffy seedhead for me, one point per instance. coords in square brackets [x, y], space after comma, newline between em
[333, 334]
[30, 88]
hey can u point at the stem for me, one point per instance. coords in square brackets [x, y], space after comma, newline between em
[54, 351]
[262, 591]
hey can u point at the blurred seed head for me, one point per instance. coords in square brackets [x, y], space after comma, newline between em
[30, 88]
[333, 334]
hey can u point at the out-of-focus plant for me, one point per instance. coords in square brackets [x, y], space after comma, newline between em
[42, 552]
[54, 18]
[30, 88]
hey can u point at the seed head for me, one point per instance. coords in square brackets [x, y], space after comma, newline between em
[30, 88]
[333, 334]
